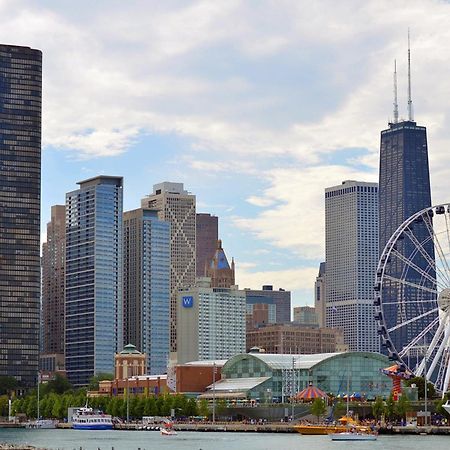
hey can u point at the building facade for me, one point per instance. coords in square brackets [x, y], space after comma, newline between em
[295, 338]
[207, 235]
[211, 322]
[351, 249]
[176, 206]
[94, 290]
[20, 190]
[319, 295]
[281, 298]
[405, 190]
[53, 281]
[306, 315]
[261, 311]
[146, 280]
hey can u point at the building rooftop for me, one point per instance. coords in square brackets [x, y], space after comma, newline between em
[130, 349]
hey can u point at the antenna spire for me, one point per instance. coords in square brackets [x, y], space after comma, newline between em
[395, 93]
[410, 105]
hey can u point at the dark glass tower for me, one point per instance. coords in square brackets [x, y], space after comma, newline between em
[20, 187]
[404, 189]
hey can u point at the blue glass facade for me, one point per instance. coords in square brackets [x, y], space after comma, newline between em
[404, 189]
[93, 298]
[147, 286]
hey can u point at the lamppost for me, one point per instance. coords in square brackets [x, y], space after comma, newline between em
[214, 393]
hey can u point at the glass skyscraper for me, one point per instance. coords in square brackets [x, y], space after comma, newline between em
[404, 189]
[94, 291]
[147, 286]
[20, 187]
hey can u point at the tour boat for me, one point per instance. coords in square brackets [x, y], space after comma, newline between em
[87, 419]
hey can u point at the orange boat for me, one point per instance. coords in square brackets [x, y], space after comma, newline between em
[326, 429]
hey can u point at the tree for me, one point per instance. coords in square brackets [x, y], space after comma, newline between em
[7, 385]
[439, 403]
[339, 409]
[203, 408]
[390, 407]
[402, 407]
[59, 385]
[378, 408]
[420, 383]
[318, 408]
[191, 408]
[95, 380]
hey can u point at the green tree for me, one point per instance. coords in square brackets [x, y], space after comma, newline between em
[390, 407]
[378, 408]
[95, 380]
[7, 385]
[203, 408]
[420, 383]
[318, 408]
[191, 408]
[150, 408]
[402, 407]
[56, 409]
[438, 405]
[340, 409]
[4, 406]
[59, 385]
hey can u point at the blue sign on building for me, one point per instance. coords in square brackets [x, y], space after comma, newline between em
[188, 302]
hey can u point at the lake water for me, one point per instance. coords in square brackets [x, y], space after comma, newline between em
[151, 440]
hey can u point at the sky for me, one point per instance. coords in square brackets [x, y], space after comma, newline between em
[256, 106]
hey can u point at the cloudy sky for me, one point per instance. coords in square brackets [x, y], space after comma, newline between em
[255, 105]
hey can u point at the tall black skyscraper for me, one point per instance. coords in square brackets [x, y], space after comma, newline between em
[20, 185]
[404, 189]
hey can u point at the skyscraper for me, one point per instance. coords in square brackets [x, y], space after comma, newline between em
[218, 269]
[281, 298]
[20, 188]
[94, 291]
[53, 279]
[176, 206]
[146, 280]
[351, 251]
[207, 234]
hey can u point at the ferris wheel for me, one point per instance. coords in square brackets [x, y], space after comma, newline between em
[412, 295]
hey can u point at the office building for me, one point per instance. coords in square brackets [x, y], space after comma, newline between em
[211, 322]
[53, 280]
[176, 206]
[319, 296]
[281, 298]
[20, 189]
[405, 190]
[146, 280]
[306, 315]
[94, 290]
[351, 250]
[219, 270]
[295, 338]
[207, 235]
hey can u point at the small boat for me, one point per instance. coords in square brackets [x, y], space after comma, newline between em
[353, 436]
[168, 432]
[42, 424]
[87, 419]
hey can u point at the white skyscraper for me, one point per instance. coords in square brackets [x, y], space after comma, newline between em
[176, 206]
[351, 241]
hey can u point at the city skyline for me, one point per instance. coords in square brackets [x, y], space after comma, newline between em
[308, 104]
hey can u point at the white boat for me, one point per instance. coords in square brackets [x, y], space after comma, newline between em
[446, 406]
[353, 436]
[166, 432]
[42, 424]
[87, 419]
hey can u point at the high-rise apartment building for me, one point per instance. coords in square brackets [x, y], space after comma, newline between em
[176, 206]
[207, 234]
[281, 298]
[94, 291]
[146, 280]
[319, 295]
[219, 270]
[20, 189]
[211, 322]
[351, 249]
[53, 280]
